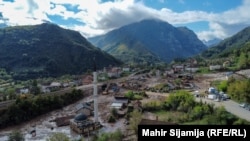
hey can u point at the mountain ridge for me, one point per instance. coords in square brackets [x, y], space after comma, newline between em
[235, 41]
[161, 40]
[48, 50]
[212, 42]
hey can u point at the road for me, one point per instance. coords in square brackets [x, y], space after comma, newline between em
[84, 87]
[231, 106]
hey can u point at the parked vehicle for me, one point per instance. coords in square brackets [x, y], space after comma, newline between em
[196, 94]
[223, 98]
[244, 105]
[247, 107]
[226, 96]
[211, 96]
[217, 100]
[211, 90]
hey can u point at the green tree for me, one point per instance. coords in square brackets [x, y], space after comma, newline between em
[10, 91]
[16, 136]
[58, 137]
[240, 90]
[197, 112]
[114, 136]
[15, 114]
[231, 79]
[34, 88]
[181, 101]
[201, 110]
[153, 105]
[134, 121]
[242, 62]
[223, 86]
[223, 117]
[4, 97]
[81, 139]
[114, 112]
[111, 119]
[130, 95]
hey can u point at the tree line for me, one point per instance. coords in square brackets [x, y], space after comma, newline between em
[238, 90]
[26, 107]
[184, 102]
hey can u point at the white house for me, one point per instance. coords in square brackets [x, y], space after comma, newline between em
[126, 69]
[168, 71]
[45, 89]
[55, 84]
[24, 90]
[65, 84]
[114, 72]
[119, 102]
[189, 69]
[215, 67]
[178, 68]
[117, 105]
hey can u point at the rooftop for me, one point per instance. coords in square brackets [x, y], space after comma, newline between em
[121, 100]
[80, 117]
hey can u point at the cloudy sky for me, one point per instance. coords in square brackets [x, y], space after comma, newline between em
[209, 19]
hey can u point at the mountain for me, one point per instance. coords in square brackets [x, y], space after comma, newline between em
[212, 42]
[2, 25]
[149, 40]
[48, 50]
[227, 45]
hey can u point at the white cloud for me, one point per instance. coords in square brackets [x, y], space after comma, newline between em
[225, 24]
[61, 10]
[100, 17]
[24, 12]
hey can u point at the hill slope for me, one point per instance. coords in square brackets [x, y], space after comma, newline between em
[149, 40]
[48, 50]
[228, 45]
[212, 42]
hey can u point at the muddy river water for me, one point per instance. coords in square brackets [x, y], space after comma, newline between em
[44, 127]
[43, 131]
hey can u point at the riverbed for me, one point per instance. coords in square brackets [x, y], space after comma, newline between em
[44, 126]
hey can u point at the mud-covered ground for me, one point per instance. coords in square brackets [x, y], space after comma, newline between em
[44, 127]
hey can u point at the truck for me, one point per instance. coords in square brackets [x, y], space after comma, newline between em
[226, 96]
[211, 96]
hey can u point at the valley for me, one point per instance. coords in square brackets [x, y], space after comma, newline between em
[45, 125]
[54, 81]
